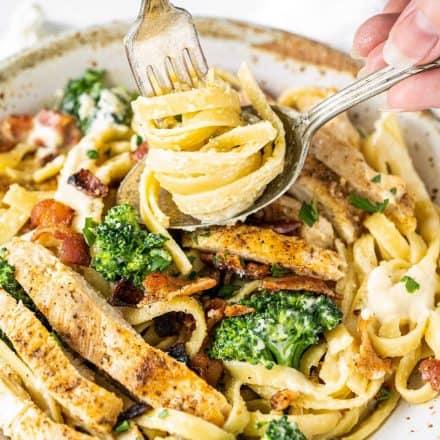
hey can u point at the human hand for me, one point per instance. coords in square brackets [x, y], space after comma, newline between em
[406, 33]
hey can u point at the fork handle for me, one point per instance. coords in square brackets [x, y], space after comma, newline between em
[357, 92]
[154, 7]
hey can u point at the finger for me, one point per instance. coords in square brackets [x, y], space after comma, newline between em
[416, 93]
[375, 60]
[395, 6]
[415, 38]
[373, 32]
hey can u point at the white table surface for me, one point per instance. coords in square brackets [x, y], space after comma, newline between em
[331, 21]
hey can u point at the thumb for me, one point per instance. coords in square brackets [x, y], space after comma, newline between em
[415, 37]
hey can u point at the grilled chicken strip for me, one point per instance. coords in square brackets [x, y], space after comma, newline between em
[286, 209]
[21, 419]
[95, 330]
[320, 183]
[265, 246]
[90, 406]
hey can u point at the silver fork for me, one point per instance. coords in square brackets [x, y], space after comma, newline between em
[163, 49]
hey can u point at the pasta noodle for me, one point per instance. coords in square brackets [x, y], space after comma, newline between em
[211, 173]
[216, 159]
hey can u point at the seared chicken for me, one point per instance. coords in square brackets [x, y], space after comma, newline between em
[287, 209]
[321, 184]
[21, 419]
[90, 406]
[265, 246]
[85, 321]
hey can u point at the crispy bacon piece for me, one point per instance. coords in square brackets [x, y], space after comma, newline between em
[282, 399]
[211, 370]
[85, 181]
[237, 310]
[161, 287]
[295, 282]
[369, 363]
[63, 124]
[233, 263]
[13, 130]
[430, 371]
[70, 245]
[126, 294]
[217, 309]
[140, 152]
[50, 212]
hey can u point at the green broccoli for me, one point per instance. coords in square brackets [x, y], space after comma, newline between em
[281, 429]
[89, 101]
[282, 327]
[121, 249]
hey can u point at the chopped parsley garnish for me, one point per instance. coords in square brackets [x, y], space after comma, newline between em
[227, 291]
[308, 213]
[163, 414]
[383, 394]
[196, 234]
[124, 426]
[139, 140]
[393, 191]
[192, 275]
[278, 271]
[89, 231]
[93, 154]
[377, 178]
[411, 284]
[366, 204]
[178, 118]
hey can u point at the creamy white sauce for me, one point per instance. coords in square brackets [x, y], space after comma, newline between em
[388, 298]
[86, 106]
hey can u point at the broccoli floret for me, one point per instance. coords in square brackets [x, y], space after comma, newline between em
[282, 327]
[123, 250]
[89, 101]
[281, 429]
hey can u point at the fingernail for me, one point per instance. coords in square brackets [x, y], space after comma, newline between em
[362, 72]
[356, 55]
[411, 40]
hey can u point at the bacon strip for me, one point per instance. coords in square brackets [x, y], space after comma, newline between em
[161, 287]
[140, 152]
[62, 123]
[13, 130]
[211, 370]
[233, 263]
[50, 212]
[88, 183]
[282, 399]
[295, 282]
[430, 371]
[70, 245]
[126, 294]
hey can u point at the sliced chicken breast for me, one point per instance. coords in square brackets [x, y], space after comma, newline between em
[86, 322]
[287, 209]
[87, 404]
[265, 246]
[21, 419]
[320, 183]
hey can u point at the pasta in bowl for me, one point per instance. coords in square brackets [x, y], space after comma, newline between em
[306, 320]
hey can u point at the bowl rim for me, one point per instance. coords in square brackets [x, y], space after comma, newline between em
[284, 44]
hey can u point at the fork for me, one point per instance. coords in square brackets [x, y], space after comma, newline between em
[163, 49]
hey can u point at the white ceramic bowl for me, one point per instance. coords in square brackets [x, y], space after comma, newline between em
[279, 60]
